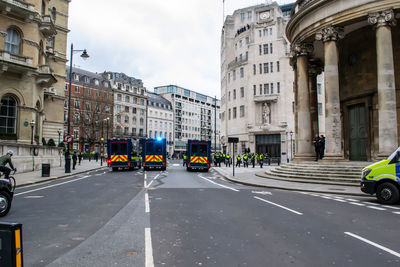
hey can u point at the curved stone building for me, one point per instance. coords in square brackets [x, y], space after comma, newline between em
[356, 44]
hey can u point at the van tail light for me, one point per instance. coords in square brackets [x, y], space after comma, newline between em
[208, 165]
[163, 163]
[109, 161]
[188, 164]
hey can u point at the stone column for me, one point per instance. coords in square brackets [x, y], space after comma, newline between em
[333, 124]
[387, 116]
[304, 145]
[312, 79]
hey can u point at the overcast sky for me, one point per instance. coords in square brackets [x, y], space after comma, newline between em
[159, 41]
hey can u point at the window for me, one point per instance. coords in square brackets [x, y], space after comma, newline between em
[66, 87]
[247, 40]
[77, 89]
[293, 107]
[134, 110]
[133, 131]
[141, 111]
[8, 115]
[234, 112]
[265, 49]
[272, 66]
[241, 111]
[278, 87]
[242, 16]
[127, 99]
[126, 130]
[142, 102]
[12, 42]
[119, 97]
[98, 93]
[254, 69]
[241, 91]
[107, 109]
[254, 89]
[229, 96]
[141, 122]
[150, 133]
[134, 100]
[240, 43]
[76, 117]
[261, 89]
[270, 48]
[265, 32]
[77, 104]
[266, 70]
[241, 72]
[259, 33]
[320, 109]
[278, 67]
[118, 108]
[229, 114]
[53, 14]
[229, 77]
[65, 103]
[234, 75]
[134, 120]
[119, 86]
[272, 88]
[76, 134]
[87, 105]
[127, 88]
[127, 109]
[260, 49]
[266, 88]
[270, 31]
[89, 91]
[260, 68]
[319, 88]
[118, 118]
[126, 120]
[234, 93]
[76, 77]
[249, 14]
[87, 80]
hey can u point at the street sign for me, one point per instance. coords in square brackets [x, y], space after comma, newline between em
[68, 138]
[233, 140]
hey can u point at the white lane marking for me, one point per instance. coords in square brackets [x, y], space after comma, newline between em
[355, 200]
[357, 204]
[153, 180]
[374, 244]
[54, 185]
[370, 203]
[149, 249]
[146, 202]
[227, 187]
[145, 177]
[396, 212]
[390, 207]
[280, 206]
[34, 197]
[326, 197]
[262, 192]
[375, 208]
[176, 165]
[339, 200]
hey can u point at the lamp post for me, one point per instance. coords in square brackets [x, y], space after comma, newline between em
[67, 155]
[59, 136]
[291, 145]
[32, 123]
[102, 152]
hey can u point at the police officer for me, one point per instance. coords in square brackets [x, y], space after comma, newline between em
[245, 161]
[253, 160]
[239, 161]
[261, 160]
[228, 160]
[184, 160]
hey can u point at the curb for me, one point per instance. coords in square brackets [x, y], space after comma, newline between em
[288, 188]
[58, 177]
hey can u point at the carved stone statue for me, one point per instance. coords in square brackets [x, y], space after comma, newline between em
[266, 113]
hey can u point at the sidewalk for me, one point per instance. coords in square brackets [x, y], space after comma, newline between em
[34, 177]
[253, 177]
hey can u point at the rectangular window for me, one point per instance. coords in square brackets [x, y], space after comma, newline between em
[229, 96]
[278, 67]
[278, 87]
[270, 48]
[241, 72]
[254, 89]
[254, 69]
[234, 75]
[229, 114]
[247, 40]
[320, 109]
[241, 111]
[265, 32]
[127, 109]
[241, 16]
[272, 66]
[77, 104]
[319, 88]
[261, 89]
[270, 31]
[259, 33]
[293, 107]
[77, 89]
[266, 89]
[66, 87]
[241, 91]
[260, 49]
[240, 43]
[134, 110]
[272, 88]
[229, 77]
[234, 113]
[265, 49]
[234, 93]
[266, 68]
[260, 68]
[249, 14]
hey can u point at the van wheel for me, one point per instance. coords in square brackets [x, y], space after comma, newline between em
[114, 169]
[387, 193]
[5, 203]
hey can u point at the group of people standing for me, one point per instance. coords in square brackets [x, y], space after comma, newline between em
[253, 158]
[319, 145]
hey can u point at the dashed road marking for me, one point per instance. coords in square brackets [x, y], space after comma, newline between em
[374, 244]
[280, 206]
[375, 208]
[146, 202]
[148, 247]
[357, 204]
[396, 212]
[227, 187]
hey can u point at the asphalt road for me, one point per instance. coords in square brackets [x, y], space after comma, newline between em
[179, 218]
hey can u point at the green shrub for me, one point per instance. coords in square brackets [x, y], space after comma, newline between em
[51, 142]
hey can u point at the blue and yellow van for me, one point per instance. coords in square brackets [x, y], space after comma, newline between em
[383, 179]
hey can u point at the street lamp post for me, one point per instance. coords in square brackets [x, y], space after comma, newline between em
[32, 126]
[291, 145]
[67, 155]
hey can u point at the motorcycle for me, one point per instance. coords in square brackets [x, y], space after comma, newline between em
[7, 188]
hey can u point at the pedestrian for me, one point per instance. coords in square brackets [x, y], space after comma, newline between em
[322, 146]
[74, 159]
[317, 146]
[239, 161]
[245, 161]
[253, 160]
[80, 158]
[228, 160]
[261, 160]
[96, 156]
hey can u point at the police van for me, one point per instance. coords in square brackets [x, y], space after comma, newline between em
[123, 153]
[383, 179]
[154, 153]
[198, 155]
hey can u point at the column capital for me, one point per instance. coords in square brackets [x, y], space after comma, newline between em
[382, 18]
[329, 33]
[315, 67]
[302, 49]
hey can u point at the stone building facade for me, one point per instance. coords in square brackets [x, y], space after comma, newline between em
[257, 81]
[357, 45]
[160, 120]
[130, 105]
[33, 38]
[91, 113]
[194, 116]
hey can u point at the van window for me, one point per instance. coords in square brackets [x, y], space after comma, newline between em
[203, 149]
[194, 149]
[124, 148]
[114, 148]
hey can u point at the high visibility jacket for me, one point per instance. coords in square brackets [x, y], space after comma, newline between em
[238, 157]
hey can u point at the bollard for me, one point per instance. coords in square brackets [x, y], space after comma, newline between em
[11, 253]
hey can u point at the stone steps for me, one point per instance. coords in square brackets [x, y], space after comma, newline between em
[343, 173]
